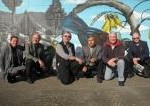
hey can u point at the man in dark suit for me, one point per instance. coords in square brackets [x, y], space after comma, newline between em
[138, 52]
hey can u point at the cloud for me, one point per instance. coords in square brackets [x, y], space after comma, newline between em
[138, 15]
[75, 1]
[127, 28]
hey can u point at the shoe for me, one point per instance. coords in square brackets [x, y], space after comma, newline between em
[99, 80]
[30, 81]
[130, 75]
[11, 79]
[121, 83]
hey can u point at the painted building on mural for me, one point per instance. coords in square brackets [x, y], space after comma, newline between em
[81, 17]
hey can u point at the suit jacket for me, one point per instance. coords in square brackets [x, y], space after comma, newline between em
[34, 53]
[96, 53]
[141, 51]
[6, 57]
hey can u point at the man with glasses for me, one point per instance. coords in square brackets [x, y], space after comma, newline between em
[139, 53]
[67, 63]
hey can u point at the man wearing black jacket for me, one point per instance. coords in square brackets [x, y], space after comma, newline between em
[139, 53]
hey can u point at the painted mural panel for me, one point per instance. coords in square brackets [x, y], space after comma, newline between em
[81, 17]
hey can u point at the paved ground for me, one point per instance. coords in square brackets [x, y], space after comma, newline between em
[84, 92]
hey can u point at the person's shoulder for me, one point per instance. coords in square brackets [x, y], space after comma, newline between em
[144, 42]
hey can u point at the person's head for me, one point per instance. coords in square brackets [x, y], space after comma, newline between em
[66, 36]
[136, 37]
[13, 41]
[36, 38]
[112, 37]
[91, 41]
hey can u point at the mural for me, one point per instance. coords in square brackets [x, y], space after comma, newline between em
[81, 17]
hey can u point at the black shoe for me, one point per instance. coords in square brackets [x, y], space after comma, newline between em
[11, 79]
[99, 80]
[30, 81]
[130, 75]
[121, 83]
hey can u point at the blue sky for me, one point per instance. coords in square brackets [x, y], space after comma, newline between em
[88, 14]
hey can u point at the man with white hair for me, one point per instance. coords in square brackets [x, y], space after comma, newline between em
[113, 57]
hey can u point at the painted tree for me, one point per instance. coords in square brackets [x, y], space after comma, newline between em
[124, 9]
[11, 5]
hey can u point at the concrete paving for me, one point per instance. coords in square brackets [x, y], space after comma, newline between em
[83, 92]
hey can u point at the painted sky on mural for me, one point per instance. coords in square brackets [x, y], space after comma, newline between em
[88, 14]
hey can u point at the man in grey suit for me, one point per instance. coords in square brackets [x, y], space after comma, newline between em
[92, 57]
[34, 57]
[11, 61]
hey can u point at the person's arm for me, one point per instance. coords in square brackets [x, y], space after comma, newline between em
[61, 52]
[130, 51]
[104, 55]
[121, 52]
[28, 55]
[145, 55]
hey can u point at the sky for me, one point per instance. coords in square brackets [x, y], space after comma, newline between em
[88, 14]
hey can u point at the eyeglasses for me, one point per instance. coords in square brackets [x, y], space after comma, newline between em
[67, 36]
[136, 38]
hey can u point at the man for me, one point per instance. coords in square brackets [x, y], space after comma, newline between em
[34, 57]
[113, 56]
[67, 63]
[92, 54]
[11, 61]
[139, 53]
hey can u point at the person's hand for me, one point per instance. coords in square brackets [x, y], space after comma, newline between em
[72, 57]
[84, 69]
[79, 60]
[111, 62]
[41, 63]
[93, 60]
[135, 60]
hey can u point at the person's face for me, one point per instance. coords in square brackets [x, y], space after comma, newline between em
[136, 37]
[36, 39]
[66, 37]
[112, 38]
[14, 42]
[91, 42]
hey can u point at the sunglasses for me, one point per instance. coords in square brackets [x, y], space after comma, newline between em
[67, 36]
[136, 38]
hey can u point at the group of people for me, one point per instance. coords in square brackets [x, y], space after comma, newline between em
[108, 61]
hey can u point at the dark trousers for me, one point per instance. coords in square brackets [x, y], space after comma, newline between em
[67, 71]
[96, 70]
[130, 70]
[31, 68]
[100, 70]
